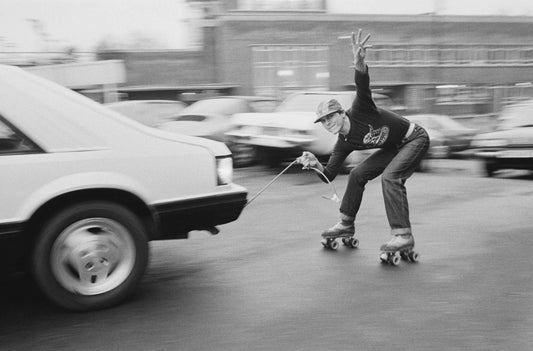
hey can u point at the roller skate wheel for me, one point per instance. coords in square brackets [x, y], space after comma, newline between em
[333, 244]
[413, 256]
[394, 259]
[345, 241]
[384, 257]
[353, 242]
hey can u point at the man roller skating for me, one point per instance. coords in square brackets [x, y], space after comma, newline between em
[401, 146]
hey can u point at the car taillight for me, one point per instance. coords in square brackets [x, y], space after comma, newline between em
[224, 170]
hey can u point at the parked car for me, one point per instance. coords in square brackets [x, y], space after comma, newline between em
[290, 129]
[510, 146]
[455, 136]
[151, 113]
[84, 189]
[210, 118]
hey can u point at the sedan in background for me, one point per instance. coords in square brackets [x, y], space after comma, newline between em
[151, 113]
[290, 129]
[510, 146]
[211, 118]
[449, 136]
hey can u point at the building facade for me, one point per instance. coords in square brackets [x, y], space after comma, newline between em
[463, 64]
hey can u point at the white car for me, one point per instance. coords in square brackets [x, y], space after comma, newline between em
[211, 118]
[510, 146]
[84, 189]
[290, 129]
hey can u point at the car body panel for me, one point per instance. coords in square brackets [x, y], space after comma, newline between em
[84, 145]
[510, 146]
[210, 118]
[455, 136]
[291, 125]
[283, 130]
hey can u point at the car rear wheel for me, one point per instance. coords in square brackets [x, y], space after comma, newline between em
[90, 255]
[490, 168]
[271, 157]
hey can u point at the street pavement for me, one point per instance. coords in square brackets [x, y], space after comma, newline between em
[266, 282]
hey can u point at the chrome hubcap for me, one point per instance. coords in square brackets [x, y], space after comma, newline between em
[93, 256]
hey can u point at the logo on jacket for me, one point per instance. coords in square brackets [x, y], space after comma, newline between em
[376, 137]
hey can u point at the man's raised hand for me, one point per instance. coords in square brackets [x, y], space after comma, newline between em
[359, 50]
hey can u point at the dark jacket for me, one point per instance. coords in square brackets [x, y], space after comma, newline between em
[371, 127]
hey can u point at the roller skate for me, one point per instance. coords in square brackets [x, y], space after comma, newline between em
[344, 230]
[398, 248]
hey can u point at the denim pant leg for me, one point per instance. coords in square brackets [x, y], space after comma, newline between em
[394, 177]
[367, 170]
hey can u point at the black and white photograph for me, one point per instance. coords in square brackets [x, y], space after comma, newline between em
[266, 175]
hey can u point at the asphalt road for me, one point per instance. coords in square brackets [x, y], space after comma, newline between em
[266, 282]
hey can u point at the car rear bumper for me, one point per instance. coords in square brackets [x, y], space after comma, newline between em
[512, 153]
[519, 158]
[177, 219]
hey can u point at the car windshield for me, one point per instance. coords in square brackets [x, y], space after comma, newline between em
[309, 102]
[516, 116]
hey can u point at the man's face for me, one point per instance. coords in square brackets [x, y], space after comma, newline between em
[333, 122]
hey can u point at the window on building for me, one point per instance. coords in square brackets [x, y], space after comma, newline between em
[414, 55]
[280, 69]
[281, 5]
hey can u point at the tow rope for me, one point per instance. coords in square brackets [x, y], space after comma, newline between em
[334, 197]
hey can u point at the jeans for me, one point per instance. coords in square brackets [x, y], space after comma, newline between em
[396, 166]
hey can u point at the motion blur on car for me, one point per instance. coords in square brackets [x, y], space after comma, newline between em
[151, 113]
[84, 189]
[211, 118]
[510, 146]
[448, 136]
[290, 128]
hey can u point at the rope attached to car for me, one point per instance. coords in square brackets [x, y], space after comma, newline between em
[334, 197]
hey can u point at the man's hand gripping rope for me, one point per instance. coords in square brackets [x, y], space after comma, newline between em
[309, 161]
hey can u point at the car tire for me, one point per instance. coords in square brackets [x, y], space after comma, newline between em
[423, 166]
[270, 157]
[490, 168]
[90, 255]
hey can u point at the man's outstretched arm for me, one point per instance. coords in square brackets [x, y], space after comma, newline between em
[362, 80]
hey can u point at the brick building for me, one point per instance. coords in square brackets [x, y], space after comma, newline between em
[463, 64]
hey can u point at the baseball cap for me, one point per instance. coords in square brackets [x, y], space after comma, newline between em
[327, 107]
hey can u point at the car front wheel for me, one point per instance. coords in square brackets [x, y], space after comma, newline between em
[90, 255]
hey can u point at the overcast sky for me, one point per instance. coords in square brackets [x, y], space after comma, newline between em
[85, 23]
